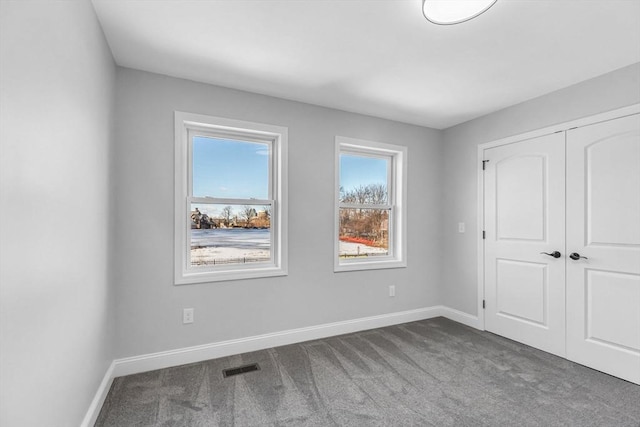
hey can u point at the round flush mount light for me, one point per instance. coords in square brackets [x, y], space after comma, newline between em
[449, 12]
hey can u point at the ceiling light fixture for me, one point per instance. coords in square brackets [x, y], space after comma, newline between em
[449, 12]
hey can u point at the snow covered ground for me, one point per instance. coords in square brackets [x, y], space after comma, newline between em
[247, 246]
[351, 249]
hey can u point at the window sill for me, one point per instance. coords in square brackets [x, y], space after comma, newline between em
[369, 265]
[223, 276]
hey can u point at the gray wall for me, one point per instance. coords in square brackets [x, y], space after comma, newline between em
[149, 311]
[459, 191]
[57, 83]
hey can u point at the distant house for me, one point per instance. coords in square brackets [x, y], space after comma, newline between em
[202, 221]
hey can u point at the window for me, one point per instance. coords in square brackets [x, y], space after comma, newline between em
[230, 199]
[370, 217]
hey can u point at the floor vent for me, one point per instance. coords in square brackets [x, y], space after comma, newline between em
[240, 370]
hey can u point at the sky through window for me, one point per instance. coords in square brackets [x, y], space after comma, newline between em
[360, 171]
[226, 168]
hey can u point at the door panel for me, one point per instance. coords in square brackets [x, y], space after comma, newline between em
[611, 300]
[520, 197]
[524, 215]
[603, 225]
[612, 198]
[522, 290]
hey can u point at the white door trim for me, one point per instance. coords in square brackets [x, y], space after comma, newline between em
[584, 121]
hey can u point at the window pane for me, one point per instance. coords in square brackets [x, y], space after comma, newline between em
[222, 234]
[364, 232]
[363, 179]
[227, 168]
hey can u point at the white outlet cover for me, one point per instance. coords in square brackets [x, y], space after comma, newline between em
[461, 227]
[187, 315]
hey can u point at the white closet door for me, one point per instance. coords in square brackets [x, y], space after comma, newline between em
[524, 216]
[603, 225]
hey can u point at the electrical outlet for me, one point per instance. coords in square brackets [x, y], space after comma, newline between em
[392, 291]
[461, 227]
[187, 315]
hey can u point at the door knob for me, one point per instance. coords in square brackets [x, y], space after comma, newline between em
[576, 256]
[554, 254]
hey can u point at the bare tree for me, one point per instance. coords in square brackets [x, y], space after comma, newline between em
[248, 213]
[226, 215]
[378, 193]
[365, 223]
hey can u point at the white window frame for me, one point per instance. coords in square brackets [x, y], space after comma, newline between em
[397, 201]
[188, 124]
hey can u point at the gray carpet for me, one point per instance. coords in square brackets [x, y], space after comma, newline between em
[428, 373]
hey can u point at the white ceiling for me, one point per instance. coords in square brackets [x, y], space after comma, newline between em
[377, 57]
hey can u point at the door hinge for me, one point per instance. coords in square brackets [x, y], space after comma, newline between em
[484, 164]
[484, 234]
[483, 304]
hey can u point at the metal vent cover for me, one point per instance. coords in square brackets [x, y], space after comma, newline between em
[240, 370]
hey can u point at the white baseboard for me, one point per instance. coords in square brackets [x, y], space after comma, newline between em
[461, 317]
[98, 400]
[199, 353]
[182, 356]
